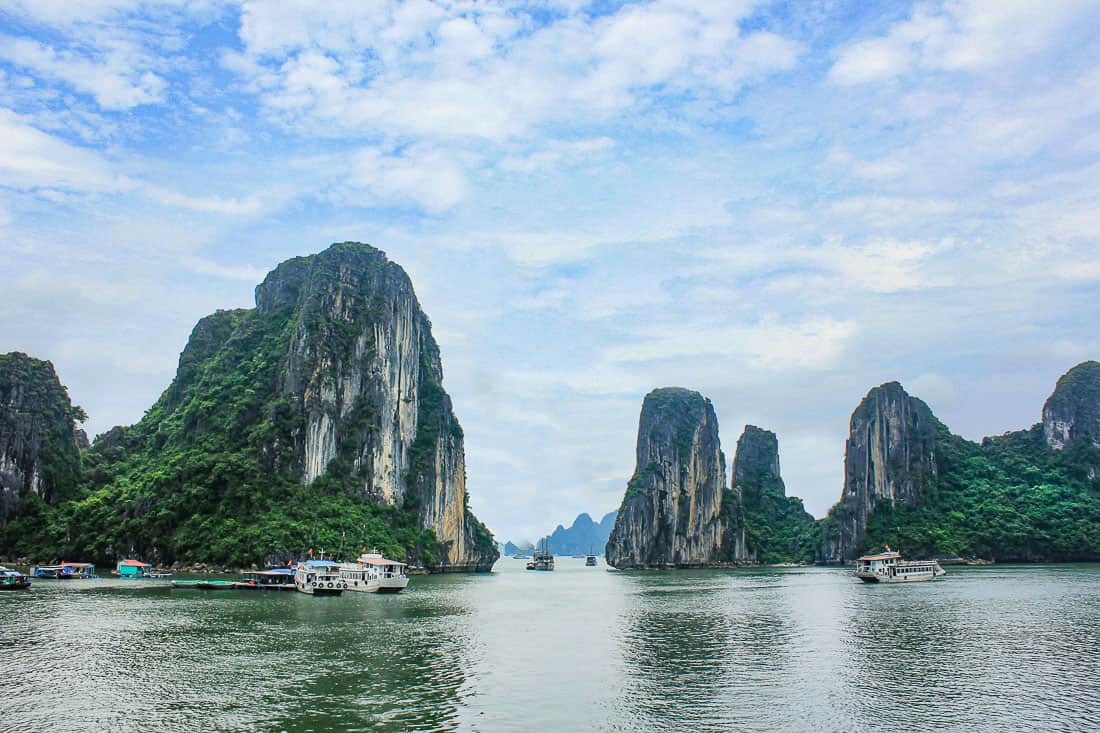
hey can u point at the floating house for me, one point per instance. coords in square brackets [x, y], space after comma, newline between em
[133, 569]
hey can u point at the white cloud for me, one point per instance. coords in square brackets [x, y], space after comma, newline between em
[252, 204]
[872, 60]
[467, 71]
[30, 158]
[966, 35]
[118, 81]
[427, 176]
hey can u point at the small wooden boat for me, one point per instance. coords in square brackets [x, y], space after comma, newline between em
[13, 580]
[203, 584]
[270, 579]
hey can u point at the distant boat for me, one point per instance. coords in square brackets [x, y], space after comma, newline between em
[319, 578]
[65, 571]
[541, 560]
[270, 579]
[590, 560]
[888, 567]
[521, 557]
[136, 570]
[13, 580]
[204, 584]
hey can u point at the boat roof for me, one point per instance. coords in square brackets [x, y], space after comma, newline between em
[378, 561]
[275, 571]
[76, 564]
[134, 564]
[882, 556]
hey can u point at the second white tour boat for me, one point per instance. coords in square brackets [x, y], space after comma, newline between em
[376, 574]
[888, 567]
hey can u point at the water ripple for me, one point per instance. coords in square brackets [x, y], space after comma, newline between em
[986, 649]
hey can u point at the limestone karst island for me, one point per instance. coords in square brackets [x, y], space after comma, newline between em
[493, 366]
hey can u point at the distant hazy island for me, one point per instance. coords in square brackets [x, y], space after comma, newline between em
[1031, 495]
[585, 535]
[318, 419]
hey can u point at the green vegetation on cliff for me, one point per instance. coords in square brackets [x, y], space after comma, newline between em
[213, 472]
[39, 451]
[1009, 498]
[778, 529]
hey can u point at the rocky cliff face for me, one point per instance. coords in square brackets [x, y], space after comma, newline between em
[756, 465]
[364, 372]
[333, 382]
[890, 456]
[778, 529]
[671, 515]
[39, 441]
[1071, 415]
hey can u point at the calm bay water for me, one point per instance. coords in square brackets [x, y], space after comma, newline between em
[997, 648]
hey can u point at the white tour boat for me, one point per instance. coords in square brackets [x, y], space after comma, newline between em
[376, 574]
[361, 578]
[319, 578]
[391, 573]
[888, 567]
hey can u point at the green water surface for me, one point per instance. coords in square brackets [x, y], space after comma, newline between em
[984, 649]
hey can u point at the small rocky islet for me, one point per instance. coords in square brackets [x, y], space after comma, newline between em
[320, 414]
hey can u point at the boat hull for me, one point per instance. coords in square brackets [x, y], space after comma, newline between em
[310, 591]
[875, 578]
[262, 586]
[392, 585]
[205, 584]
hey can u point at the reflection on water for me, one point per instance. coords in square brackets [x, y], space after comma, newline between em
[1001, 648]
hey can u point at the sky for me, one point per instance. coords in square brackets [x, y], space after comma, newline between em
[780, 205]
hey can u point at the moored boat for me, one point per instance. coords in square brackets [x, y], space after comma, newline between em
[204, 584]
[65, 571]
[319, 578]
[379, 575]
[888, 567]
[13, 580]
[270, 579]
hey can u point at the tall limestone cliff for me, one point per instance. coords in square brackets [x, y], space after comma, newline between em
[778, 528]
[672, 513]
[890, 457]
[39, 443]
[333, 383]
[1071, 415]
